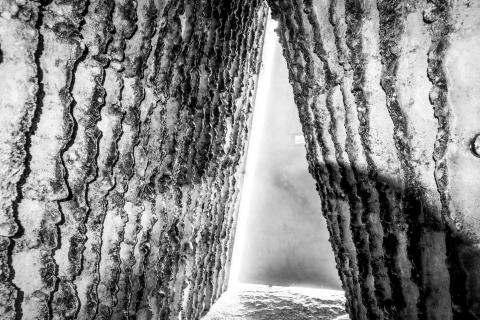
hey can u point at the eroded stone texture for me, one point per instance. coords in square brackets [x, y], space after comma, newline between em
[123, 130]
[123, 126]
[388, 94]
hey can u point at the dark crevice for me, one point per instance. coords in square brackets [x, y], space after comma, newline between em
[40, 94]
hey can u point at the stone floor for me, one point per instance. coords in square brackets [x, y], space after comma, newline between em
[260, 302]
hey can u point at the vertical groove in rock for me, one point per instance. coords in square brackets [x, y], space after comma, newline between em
[123, 132]
[19, 48]
[389, 195]
[359, 162]
[437, 18]
[421, 206]
[137, 52]
[367, 231]
[147, 127]
[80, 158]
[39, 213]
[91, 91]
[120, 161]
[364, 55]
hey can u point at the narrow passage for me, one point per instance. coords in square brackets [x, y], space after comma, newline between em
[283, 266]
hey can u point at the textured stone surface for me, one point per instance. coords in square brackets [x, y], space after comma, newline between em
[122, 138]
[388, 94]
[123, 126]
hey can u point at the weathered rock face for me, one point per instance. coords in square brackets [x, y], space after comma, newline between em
[122, 134]
[388, 96]
[123, 128]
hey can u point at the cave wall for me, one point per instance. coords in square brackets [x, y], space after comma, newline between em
[123, 128]
[387, 93]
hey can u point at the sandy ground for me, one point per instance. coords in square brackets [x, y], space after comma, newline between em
[260, 302]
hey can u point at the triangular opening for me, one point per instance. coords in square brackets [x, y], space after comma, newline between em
[282, 257]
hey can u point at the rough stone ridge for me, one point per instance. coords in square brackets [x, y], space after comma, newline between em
[123, 133]
[387, 95]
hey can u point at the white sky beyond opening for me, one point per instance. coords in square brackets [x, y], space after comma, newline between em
[259, 116]
[281, 236]
[233, 301]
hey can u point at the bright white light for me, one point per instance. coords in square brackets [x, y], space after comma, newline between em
[299, 139]
[258, 120]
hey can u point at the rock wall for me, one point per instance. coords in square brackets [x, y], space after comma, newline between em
[123, 129]
[124, 124]
[388, 93]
